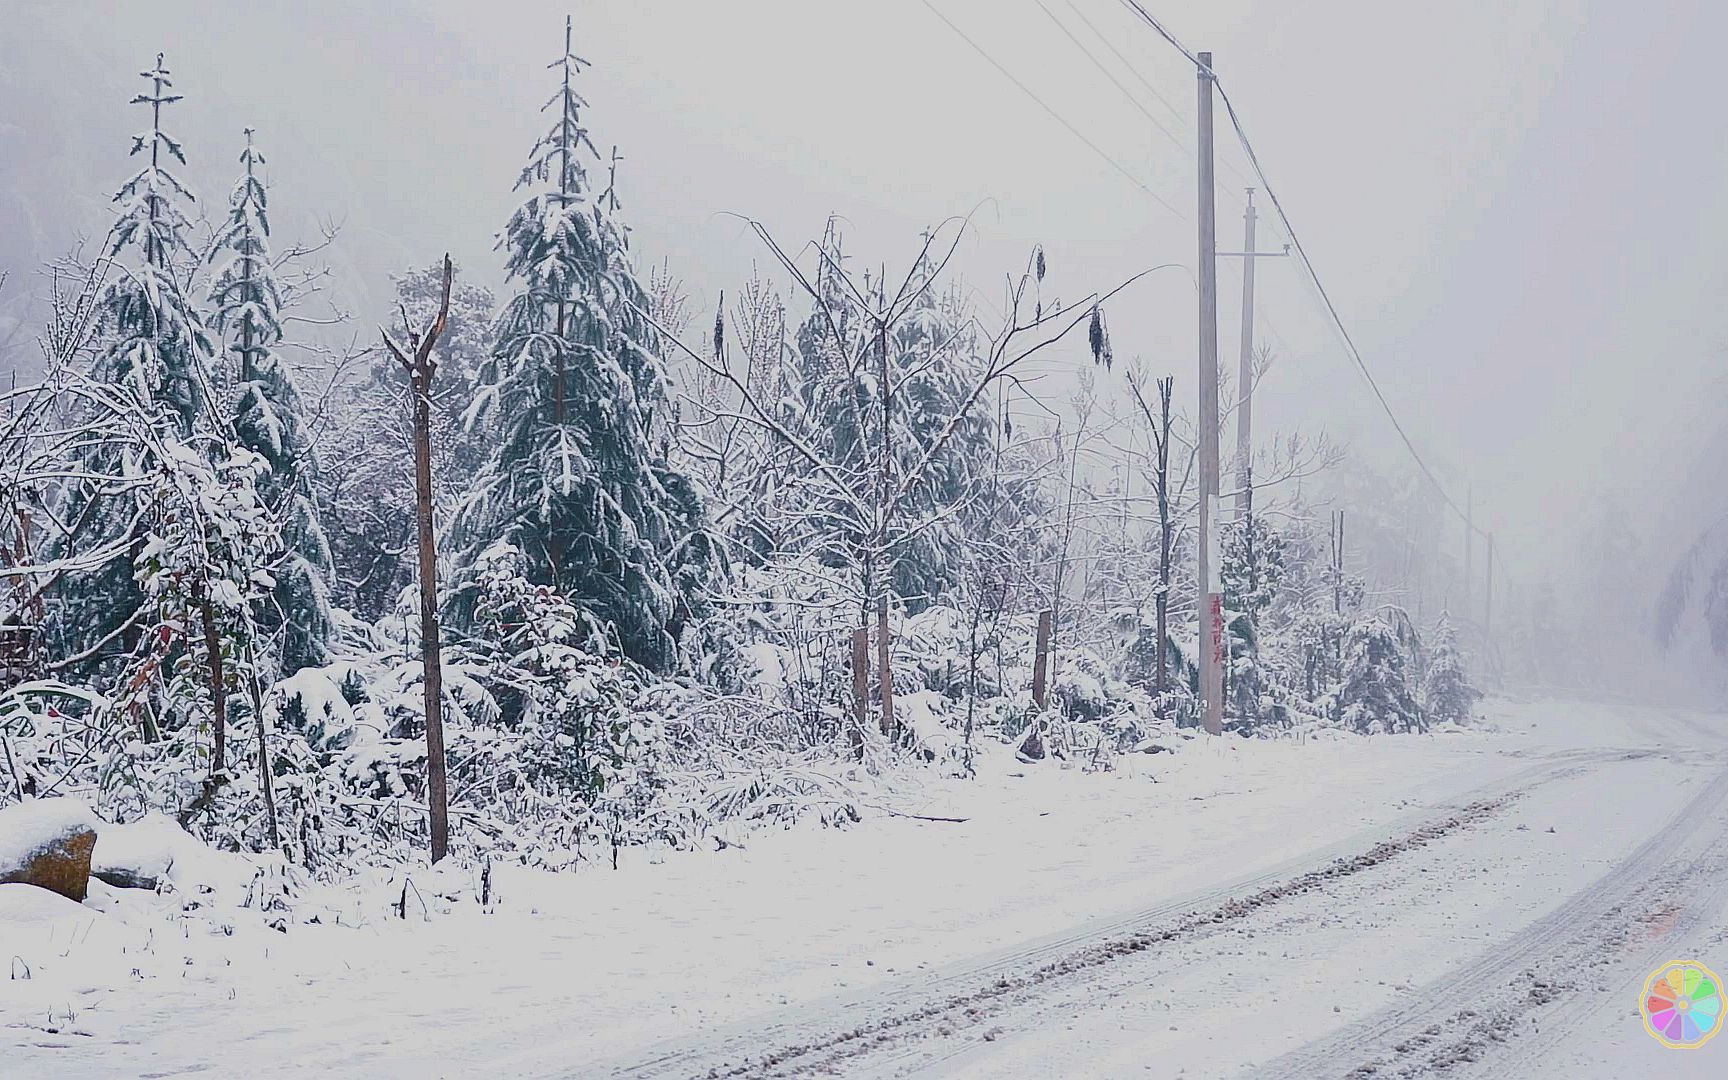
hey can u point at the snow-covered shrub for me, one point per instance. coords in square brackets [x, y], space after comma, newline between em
[1447, 694]
[791, 638]
[1376, 695]
[933, 645]
[543, 663]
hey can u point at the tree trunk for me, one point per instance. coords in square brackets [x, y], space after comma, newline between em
[266, 779]
[218, 696]
[884, 649]
[885, 667]
[418, 361]
[430, 653]
[1040, 665]
[860, 688]
[1164, 390]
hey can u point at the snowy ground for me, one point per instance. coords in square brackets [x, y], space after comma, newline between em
[1187, 915]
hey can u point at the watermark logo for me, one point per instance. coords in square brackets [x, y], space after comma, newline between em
[1682, 1005]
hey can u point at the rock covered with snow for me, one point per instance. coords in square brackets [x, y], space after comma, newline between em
[47, 843]
[138, 855]
[155, 849]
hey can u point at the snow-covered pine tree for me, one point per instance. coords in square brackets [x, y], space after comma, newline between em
[578, 479]
[267, 420]
[1446, 690]
[1253, 574]
[160, 345]
[156, 355]
[1376, 694]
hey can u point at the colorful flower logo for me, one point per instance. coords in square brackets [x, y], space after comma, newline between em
[1682, 1005]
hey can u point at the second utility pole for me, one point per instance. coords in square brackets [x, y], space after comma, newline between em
[1211, 591]
[1245, 374]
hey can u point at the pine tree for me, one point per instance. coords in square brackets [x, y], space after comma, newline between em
[267, 420]
[579, 480]
[155, 355]
[1376, 693]
[1252, 571]
[1446, 690]
[160, 346]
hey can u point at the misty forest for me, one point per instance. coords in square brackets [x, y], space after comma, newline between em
[573, 624]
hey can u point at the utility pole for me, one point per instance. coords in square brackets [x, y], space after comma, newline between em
[1211, 606]
[1469, 551]
[1488, 610]
[1244, 502]
[1245, 371]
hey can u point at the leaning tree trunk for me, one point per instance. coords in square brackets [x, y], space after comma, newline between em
[266, 777]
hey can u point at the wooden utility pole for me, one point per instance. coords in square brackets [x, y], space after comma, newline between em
[417, 360]
[1469, 551]
[1245, 373]
[1244, 501]
[1211, 592]
[1488, 609]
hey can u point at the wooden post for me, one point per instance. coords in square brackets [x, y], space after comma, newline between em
[1040, 674]
[885, 667]
[860, 687]
[417, 359]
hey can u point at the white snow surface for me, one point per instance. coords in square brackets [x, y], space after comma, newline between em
[570, 974]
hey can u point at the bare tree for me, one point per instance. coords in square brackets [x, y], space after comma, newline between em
[863, 492]
[415, 356]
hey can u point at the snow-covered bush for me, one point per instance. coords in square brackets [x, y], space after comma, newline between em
[1447, 694]
[1376, 695]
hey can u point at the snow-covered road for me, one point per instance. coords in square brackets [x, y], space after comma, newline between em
[1508, 934]
[1487, 903]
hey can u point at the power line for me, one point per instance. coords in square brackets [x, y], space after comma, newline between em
[1331, 308]
[1129, 95]
[1132, 100]
[1144, 81]
[1146, 17]
[1181, 118]
[1054, 115]
[1307, 264]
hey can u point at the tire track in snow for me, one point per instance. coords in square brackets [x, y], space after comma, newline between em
[826, 1035]
[1466, 1019]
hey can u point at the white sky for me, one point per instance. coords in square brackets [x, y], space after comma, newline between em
[1517, 204]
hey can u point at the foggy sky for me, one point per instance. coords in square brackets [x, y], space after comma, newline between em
[1518, 205]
